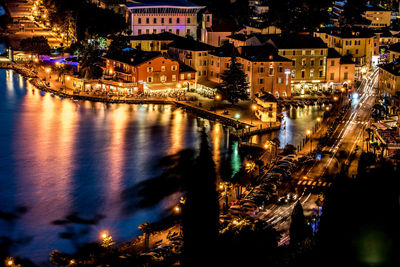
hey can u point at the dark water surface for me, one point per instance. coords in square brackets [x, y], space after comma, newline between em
[59, 157]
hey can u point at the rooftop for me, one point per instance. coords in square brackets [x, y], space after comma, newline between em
[133, 57]
[395, 47]
[191, 44]
[393, 67]
[224, 51]
[348, 33]
[164, 36]
[298, 41]
[332, 53]
[265, 53]
[267, 97]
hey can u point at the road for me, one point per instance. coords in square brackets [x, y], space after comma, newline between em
[346, 137]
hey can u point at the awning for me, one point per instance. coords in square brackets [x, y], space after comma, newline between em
[163, 86]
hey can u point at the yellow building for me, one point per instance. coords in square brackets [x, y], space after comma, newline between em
[192, 53]
[348, 41]
[266, 107]
[153, 42]
[393, 52]
[308, 55]
[389, 79]
[340, 70]
[379, 17]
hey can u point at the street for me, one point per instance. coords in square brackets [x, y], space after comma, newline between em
[346, 137]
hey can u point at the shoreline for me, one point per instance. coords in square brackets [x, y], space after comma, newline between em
[35, 80]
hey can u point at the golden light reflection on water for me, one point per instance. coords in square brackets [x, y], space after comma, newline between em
[46, 133]
[216, 135]
[177, 135]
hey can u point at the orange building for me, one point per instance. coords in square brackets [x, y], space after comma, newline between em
[340, 70]
[266, 70]
[151, 71]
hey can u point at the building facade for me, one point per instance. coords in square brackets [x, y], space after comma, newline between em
[308, 58]
[149, 71]
[174, 16]
[340, 71]
[359, 44]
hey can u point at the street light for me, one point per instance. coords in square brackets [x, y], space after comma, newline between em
[253, 107]
[237, 116]
[308, 132]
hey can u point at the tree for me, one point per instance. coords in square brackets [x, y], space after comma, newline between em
[37, 45]
[234, 86]
[298, 226]
[193, 176]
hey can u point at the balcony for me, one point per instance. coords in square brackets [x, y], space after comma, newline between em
[119, 69]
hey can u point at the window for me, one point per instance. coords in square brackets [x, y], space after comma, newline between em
[280, 69]
[200, 54]
[170, 20]
[303, 73]
[212, 62]
[294, 52]
[321, 62]
[177, 31]
[303, 52]
[188, 32]
[280, 80]
[332, 76]
[311, 73]
[155, 20]
[332, 62]
[248, 67]
[182, 76]
[303, 61]
[162, 30]
[149, 69]
[312, 62]
[147, 31]
[147, 20]
[139, 21]
[293, 62]
[149, 79]
[178, 20]
[271, 71]
[189, 76]
[174, 67]
[205, 63]
[162, 68]
[293, 73]
[356, 51]
[211, 73]
[174, 78]
[322, 52]
[321, 73]
[199, 73]
[312, 52]
[154, 31]
[139, 32]
[188, 20]
[346, 75]
[163, 78]
[348, 52]
[162, 20]
[261, 70]
[284, 52]
[205, 73]
[261, 81]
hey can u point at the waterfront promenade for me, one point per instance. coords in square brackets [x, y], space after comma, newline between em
[239, 116]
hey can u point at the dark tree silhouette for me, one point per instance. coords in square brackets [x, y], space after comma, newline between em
[298, 226]
[234, 86]
[37, 45]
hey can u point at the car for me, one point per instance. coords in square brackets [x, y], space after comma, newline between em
[286, 162]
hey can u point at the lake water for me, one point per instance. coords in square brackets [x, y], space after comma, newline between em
[59, 157]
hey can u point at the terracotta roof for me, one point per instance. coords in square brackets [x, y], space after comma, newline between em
[297, 42]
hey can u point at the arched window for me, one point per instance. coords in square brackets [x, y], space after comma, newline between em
[276, 94]
[163, 78]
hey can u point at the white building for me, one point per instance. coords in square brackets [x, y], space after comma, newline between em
[156, 16]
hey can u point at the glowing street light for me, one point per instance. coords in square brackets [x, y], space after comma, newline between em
[327, 108]
[237, 116]
[266, 146]
[177, 209]
[218, 97]
[319, 119]
[308, 132]
[10, 262]
[335, 98]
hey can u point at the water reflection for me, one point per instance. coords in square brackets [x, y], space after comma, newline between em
[294, 125]
[60, 157]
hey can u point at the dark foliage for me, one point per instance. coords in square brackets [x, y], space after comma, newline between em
[37, 45]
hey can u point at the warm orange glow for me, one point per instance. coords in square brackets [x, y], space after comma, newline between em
[327, 108]
[177, 209]
[254, 107]
[318, 119]
[218, 97]
[308, 132]
[48, 70]
[68, 78]
[104, 235]
[10, 262]
[266, 145]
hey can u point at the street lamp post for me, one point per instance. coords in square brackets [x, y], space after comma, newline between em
[254, 108]
[308, 132]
